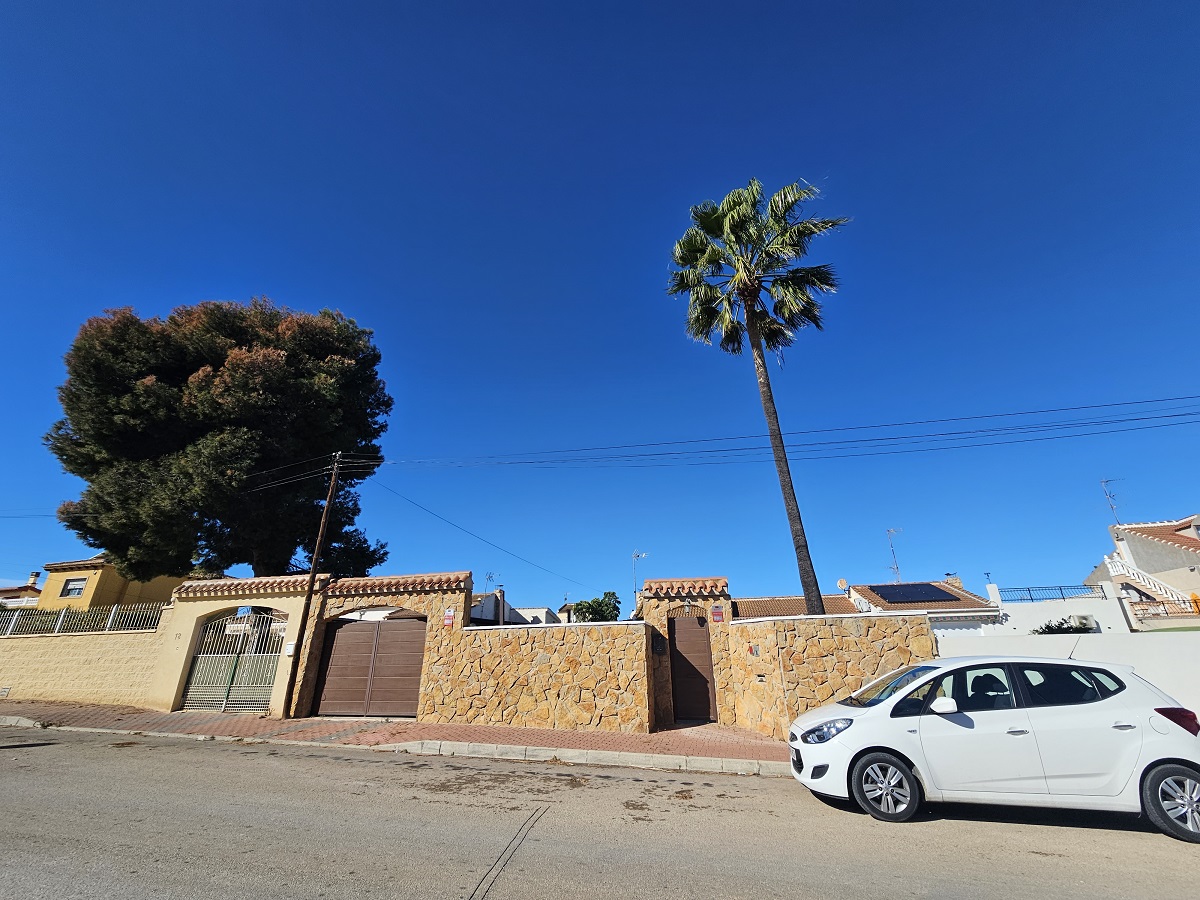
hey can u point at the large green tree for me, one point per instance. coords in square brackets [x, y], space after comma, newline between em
[598, 609]
[737, 266]
[203, 437]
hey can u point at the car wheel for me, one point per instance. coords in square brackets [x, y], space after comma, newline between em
[886, 787]
[1171, 800]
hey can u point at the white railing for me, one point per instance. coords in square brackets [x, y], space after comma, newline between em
[119, 617]
[1118, 566]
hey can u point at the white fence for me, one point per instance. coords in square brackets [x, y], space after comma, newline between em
[120, 617]
[1170, 660]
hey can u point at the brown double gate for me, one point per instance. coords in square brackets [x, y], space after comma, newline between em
[371, 668]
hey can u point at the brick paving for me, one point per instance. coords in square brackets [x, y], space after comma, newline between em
[709, 740]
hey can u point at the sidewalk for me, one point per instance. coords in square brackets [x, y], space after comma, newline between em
[698, 748]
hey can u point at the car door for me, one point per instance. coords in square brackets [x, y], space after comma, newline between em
[1088, 739]
[988, 745]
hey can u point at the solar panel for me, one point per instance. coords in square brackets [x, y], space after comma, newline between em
[913, 593]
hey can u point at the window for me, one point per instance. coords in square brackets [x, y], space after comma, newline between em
[1049, 685]
[983, 688]
[914, 702]
[73, 587]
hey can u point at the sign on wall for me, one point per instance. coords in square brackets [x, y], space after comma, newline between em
[448, 618]
[718, 614]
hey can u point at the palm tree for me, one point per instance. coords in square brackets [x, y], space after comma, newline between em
[736, 256]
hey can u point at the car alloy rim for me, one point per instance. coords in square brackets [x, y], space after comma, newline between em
[1180, 799]
[886, 788]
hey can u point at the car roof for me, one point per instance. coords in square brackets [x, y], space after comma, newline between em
[954, 661]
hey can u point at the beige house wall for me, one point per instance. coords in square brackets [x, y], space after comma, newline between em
[104, 587]
[780, 668]
[117, 668]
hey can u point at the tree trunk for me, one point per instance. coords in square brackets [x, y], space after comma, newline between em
[813, 601]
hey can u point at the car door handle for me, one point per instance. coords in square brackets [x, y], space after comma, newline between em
[1123, 726]
[1018, 731]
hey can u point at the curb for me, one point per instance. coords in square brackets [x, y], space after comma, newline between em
[624, 759]
[620, 758]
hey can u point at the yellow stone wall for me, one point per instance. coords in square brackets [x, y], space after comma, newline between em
[778, 668]
[117, 668]
[431, 603]
[589, 677]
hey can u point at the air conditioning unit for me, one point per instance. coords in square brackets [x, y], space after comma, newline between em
[1083, 621]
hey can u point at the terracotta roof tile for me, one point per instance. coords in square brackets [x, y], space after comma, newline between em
[662, 588]
[396, 584]
[228, 587]
[1168, 532]
[763, 607]
[966, 600]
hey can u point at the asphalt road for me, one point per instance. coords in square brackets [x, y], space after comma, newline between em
[102, 816]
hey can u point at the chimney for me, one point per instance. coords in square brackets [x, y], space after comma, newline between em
[500, 604]
[33, 577]
[953, 580]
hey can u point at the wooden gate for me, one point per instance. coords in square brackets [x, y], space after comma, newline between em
[371, 668]
[235, 663]
[692, 690]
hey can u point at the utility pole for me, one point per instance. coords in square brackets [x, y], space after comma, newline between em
[1110, 496]
[318, 549]
[895, 563]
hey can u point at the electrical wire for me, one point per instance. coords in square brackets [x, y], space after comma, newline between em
[477, 537]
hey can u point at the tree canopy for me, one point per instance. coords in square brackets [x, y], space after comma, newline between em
[202, 437]
[736, 265]
[598, 609]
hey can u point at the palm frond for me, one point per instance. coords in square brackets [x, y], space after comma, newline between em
[775, 335]
[690, 248]
[709, 219]
[784, 202]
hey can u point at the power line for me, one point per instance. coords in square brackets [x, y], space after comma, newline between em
[1033, 412]
[477, 537]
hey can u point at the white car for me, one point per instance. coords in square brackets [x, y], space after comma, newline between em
[1010, 730]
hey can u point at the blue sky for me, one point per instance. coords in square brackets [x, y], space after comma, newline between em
[495, 190]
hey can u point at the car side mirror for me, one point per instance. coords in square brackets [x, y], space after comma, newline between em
[943, 706]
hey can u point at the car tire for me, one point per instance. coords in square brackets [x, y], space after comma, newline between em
[884, 786]
[1171, 800]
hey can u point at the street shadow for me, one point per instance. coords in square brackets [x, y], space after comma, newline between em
[1027, 815]
[30, 744]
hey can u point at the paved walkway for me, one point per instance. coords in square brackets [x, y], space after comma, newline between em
[700, 748]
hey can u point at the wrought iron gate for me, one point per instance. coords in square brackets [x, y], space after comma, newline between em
[235, 662]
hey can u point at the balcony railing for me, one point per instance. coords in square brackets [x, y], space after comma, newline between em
[1054, 592]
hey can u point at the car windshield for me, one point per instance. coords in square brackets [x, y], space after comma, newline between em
[886, 687]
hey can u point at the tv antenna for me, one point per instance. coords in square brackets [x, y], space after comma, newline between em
[895, 566]
[1110, 496]
[487, 581]
[637, 554]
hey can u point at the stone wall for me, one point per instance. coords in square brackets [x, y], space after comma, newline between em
[435, 596]
[781, 667]
[116, 667]
[581, 676]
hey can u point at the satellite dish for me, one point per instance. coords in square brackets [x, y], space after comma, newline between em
[842, 584]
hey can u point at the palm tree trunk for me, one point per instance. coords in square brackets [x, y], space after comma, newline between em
[813, 602]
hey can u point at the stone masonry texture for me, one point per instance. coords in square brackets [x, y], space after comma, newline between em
[589, 677]
[781, 667]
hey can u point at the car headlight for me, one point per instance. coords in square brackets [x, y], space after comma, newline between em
[825, 731]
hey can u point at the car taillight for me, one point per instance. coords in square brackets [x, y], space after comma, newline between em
[1184, 718]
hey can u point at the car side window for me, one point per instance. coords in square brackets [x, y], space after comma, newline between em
[912, 704]
[983, 688]
[1050, 685]
[1106, 682]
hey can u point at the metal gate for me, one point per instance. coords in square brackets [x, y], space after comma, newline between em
[235, 662]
